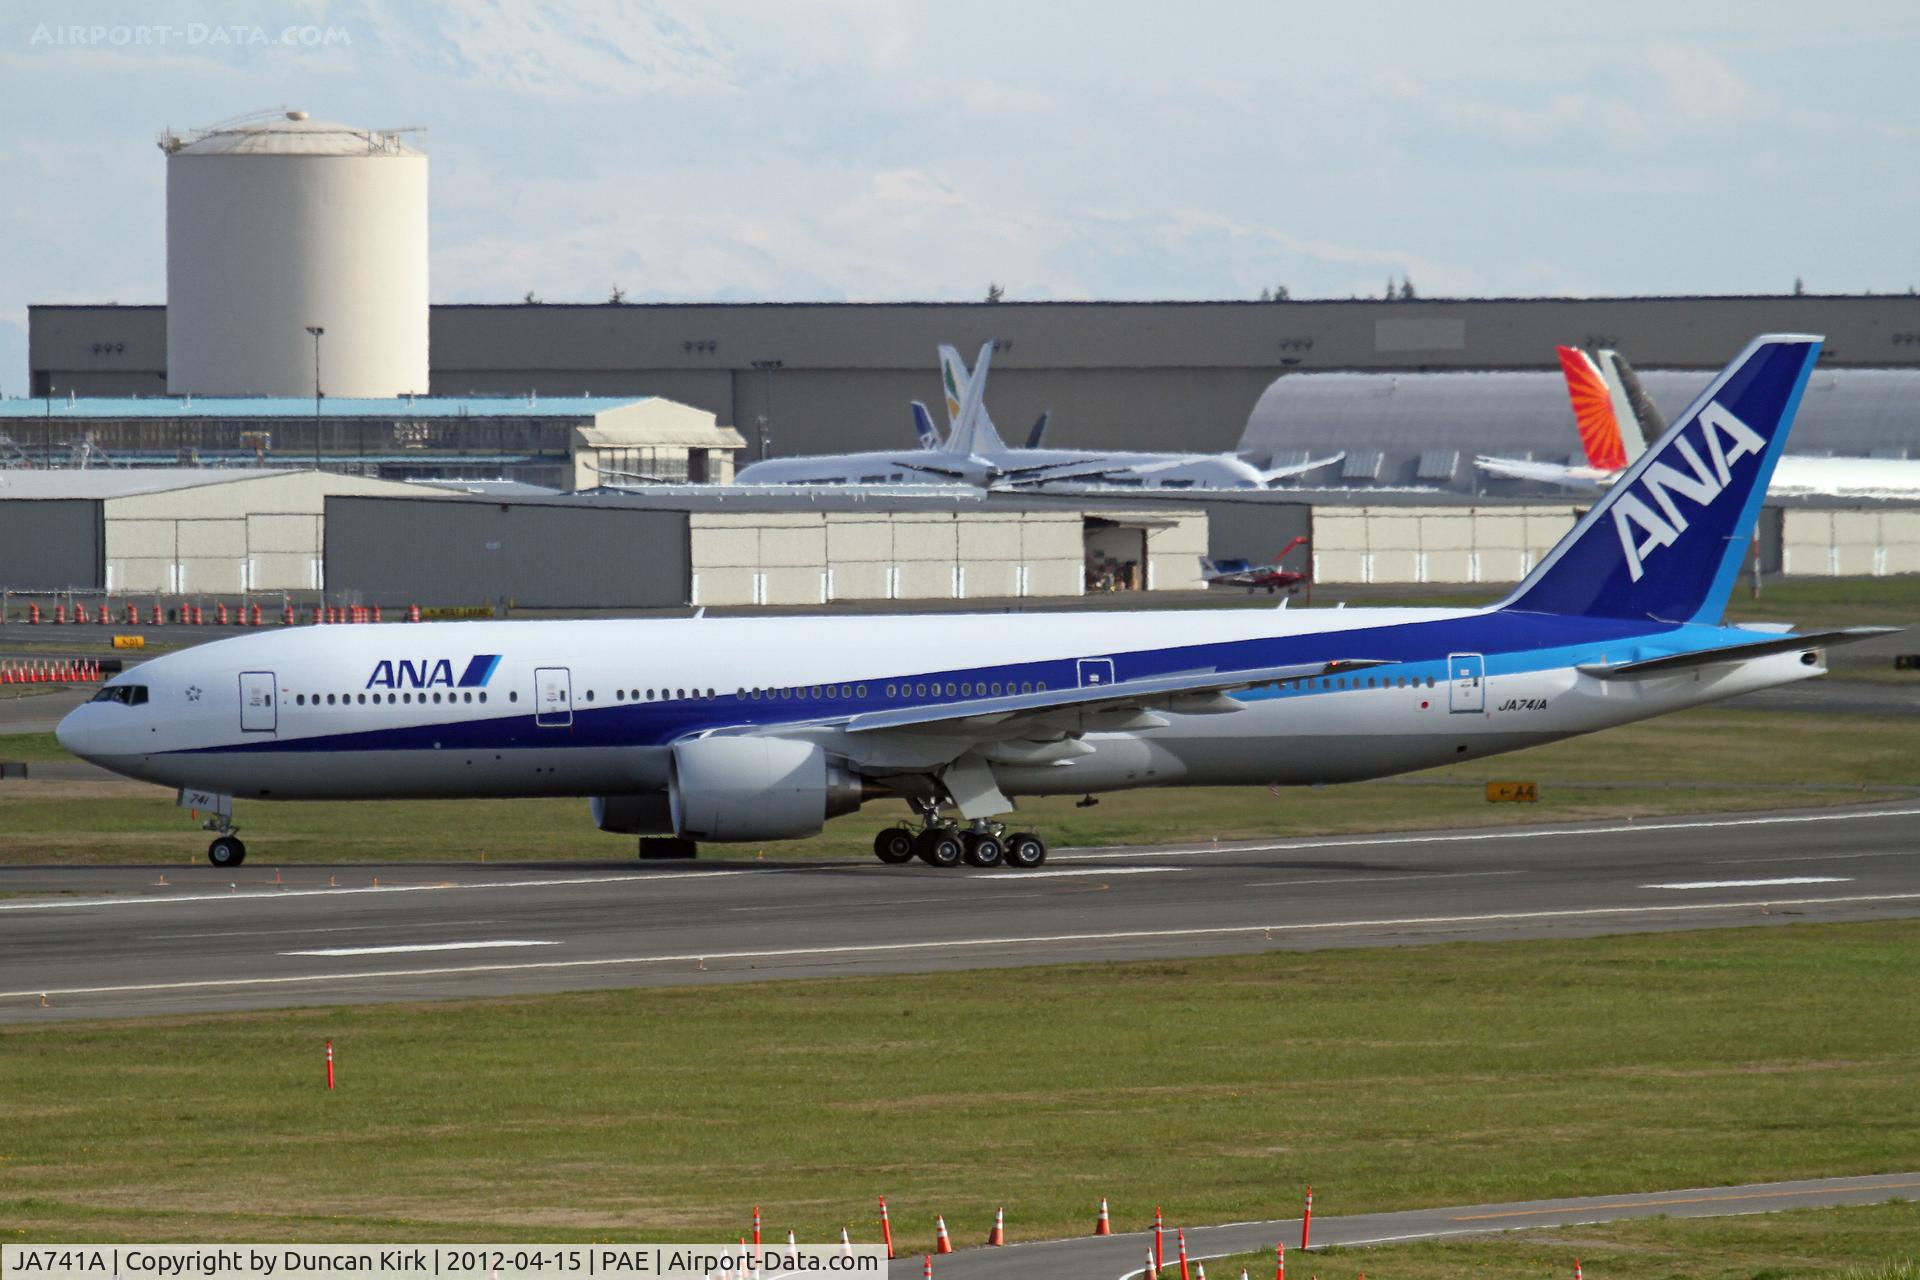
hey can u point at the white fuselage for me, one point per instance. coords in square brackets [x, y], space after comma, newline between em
[592, 707]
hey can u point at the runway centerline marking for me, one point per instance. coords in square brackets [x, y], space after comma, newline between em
[1418, 875]
[397, 948]
[1748, 884]
[954, 944]
[442, 886]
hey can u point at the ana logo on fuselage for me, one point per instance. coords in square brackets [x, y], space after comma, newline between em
[431, 673]
[1642, 529]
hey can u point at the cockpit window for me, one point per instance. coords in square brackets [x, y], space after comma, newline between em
[132, 695]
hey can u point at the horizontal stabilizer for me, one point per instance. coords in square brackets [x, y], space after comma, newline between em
[1674, 662]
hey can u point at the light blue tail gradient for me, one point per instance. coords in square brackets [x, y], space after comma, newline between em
[1668, 539]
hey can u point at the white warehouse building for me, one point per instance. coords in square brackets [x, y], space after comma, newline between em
[282, 226]
[200, 531]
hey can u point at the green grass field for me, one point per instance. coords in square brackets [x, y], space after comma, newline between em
[1387, 1078]
[1870, 1242]
[1690, 762]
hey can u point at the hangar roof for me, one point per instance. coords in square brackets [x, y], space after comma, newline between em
[121, 407]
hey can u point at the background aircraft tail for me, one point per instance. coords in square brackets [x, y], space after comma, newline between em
[1038, 436]
[923, 428]
[1593, 411]
[1640, 421]
[972, 429]
[1667, 540]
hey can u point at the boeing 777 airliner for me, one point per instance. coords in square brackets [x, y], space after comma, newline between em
[755, 729]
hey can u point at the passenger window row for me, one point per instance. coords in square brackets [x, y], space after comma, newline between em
[361, 699]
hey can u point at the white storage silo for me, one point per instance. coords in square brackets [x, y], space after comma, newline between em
[274, 225]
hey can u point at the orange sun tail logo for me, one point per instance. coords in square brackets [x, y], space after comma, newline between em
[1592, 411]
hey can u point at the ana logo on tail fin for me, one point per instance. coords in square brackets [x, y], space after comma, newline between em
[1666, 541]
[1593, 410]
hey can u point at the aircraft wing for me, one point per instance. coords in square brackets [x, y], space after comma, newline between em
[1028, 714]
[1301, 468]
[1545, 472]
[1732, 653]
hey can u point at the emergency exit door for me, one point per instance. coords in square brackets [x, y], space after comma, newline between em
[552, 697]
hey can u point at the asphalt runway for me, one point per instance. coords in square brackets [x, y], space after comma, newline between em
[135, 941]
[1123, 1257]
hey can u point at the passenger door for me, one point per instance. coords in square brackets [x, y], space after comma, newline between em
[1466, 682]
[259, 701]
[552, 697]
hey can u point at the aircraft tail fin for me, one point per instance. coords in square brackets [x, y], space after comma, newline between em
[1038, 436]
[1667, 540]
[1640, 420]
[1593, 410]
[923, 428]
[973, 431]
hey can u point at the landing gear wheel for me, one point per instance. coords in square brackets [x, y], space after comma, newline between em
[226, 851]
[894, 846]
[1025, 850]
[983, 849]
[939, 847]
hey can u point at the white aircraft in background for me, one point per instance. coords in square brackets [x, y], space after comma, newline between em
[1615, 416]
[973, 453]
[756, 729]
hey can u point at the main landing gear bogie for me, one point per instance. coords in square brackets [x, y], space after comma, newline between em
[226, 851]
[942, 843]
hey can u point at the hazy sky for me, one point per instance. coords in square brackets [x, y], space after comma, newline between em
[851, 149]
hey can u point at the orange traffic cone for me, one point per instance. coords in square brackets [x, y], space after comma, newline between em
[1200, 1270]
[1159, 1254]
[1152, 1271]
[846, 1244]
[998, 1235]
[1103, 1227]
[1576, 1269]
[1280, 1261]
[940, 1243]
[1180, 1236]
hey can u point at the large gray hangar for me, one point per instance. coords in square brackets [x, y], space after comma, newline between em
[831, 377]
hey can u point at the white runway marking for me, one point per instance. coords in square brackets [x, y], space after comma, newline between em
[267, 893]
[1418, 875]
[420, 946]
[960, 944]
[1505, 833]
[1748, 884]
[1077, 871]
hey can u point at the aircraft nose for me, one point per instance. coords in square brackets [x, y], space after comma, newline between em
[73, 733]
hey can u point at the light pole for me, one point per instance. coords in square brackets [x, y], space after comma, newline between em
[766, 368]
[316, 331]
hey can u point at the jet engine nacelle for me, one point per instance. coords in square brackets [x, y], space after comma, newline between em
[752, 788]
[648, 814]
